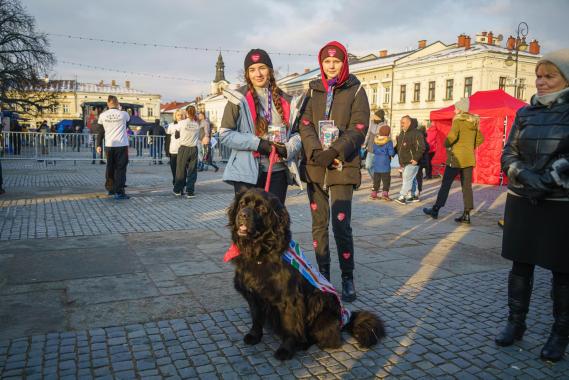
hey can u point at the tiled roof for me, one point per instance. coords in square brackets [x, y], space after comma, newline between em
[167, 107]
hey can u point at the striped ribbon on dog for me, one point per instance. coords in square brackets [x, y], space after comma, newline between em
[297, 259]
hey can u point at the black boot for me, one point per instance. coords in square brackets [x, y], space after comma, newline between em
[519, 294]
[325, 271]
[464, 218]
[348, 288]
[559, 338]
[432, 212]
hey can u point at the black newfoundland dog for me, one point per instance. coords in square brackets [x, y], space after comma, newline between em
[277, 293]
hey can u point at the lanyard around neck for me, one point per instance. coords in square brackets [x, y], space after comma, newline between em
[330, 97]
[268, 113]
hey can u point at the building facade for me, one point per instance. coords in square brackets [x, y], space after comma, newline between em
[434, 76]
[72, 95]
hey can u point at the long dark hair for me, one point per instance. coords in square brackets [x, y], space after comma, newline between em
[261, 124]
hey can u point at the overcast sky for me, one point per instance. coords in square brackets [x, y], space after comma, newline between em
[281, 26]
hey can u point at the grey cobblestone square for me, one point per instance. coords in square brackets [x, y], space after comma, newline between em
[165, 306]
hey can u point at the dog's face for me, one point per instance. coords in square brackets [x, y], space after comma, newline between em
[258, 218]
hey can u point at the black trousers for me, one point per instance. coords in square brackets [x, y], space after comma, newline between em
[173, 159]
[186, 169]
[465, 182]
[278, 186]
[419, 178]
[429, 167]
[117, 161]
[340, 197]
[378, 178]
[526, 270]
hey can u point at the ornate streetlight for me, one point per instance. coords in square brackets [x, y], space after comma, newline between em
[519, 44]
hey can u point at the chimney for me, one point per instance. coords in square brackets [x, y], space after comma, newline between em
[461, 40]
[422, 44]
[490, 38]
[306, 70]
[382, 53]
[127, 84]
[113, 83]
[511, 43]
[484, 34]
[466, 42]
[101, 83]
[534, 47]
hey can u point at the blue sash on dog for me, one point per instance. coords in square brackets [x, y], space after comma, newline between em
[296, 258]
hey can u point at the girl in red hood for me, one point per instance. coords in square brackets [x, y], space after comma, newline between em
[331, 167]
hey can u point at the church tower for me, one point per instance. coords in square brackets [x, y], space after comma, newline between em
[219, 83]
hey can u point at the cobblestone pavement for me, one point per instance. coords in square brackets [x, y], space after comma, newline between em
[94, 288]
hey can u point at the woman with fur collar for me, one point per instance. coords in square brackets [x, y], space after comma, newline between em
[257, 118]
[536, 159]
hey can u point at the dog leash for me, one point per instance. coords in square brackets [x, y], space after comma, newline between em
[272, 159]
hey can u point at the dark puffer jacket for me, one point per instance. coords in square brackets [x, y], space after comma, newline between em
[350, 112]
[410, 145]
[539, 136]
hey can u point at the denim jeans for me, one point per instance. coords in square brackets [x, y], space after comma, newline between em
[369, 164]
[409, 173]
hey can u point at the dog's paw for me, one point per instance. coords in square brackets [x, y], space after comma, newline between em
[251, 339]
[283, 354]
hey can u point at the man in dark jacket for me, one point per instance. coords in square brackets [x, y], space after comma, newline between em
[158, 132]
[410, 148]
[332, 172]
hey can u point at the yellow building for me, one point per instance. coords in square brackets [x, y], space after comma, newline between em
[435, 76]
[71, 95]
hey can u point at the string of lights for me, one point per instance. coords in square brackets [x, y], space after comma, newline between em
[157, 45]
[161, 76]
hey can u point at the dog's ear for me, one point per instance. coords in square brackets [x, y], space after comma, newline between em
[234, 209]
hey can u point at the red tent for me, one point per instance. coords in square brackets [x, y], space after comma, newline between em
[497, 111]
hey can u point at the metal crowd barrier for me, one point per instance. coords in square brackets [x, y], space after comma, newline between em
[81, 147]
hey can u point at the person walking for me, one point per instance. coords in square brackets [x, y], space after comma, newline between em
[417, 187]
[114, 121]
[462, 140]
[257, 117]
[205, 139]
[383, 153]
[173, 141]
[333, 128]
[433, 142]
[410, 148]
[536, 160]
[377, 121]
[187, 160]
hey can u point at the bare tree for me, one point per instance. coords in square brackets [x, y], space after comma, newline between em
[24, 61]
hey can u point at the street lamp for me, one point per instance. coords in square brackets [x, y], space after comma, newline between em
[519, 44]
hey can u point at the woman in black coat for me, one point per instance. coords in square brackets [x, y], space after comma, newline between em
[536, 159]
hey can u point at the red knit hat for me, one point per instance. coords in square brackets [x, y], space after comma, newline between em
[331, 51]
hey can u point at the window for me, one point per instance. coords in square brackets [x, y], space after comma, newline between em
[431, 94]
[66, 108]
[374, 95]
[449, 89]
[402, 93]
[53, 108]
[502, 83]
[387, 95]
[467, 87]
[417, 92]
[520, 89]
[150, 111]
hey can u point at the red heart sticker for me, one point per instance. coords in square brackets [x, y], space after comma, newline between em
[360, 126]
[305, 122]
[341, 216]
[313, 206]
[346, 255]
[255, 57]
[315, 244]
[331, 52]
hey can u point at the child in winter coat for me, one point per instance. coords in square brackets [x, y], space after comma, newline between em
[383, 152]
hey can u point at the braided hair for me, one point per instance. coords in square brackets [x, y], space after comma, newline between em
[261, 124]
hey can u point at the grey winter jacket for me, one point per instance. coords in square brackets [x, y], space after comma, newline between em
[238, 133]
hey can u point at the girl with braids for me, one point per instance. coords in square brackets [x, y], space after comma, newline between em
[256, 118]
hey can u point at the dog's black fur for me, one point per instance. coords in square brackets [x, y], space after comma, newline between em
[277, 293]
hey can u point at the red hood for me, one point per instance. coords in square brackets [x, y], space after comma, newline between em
[343, 76]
